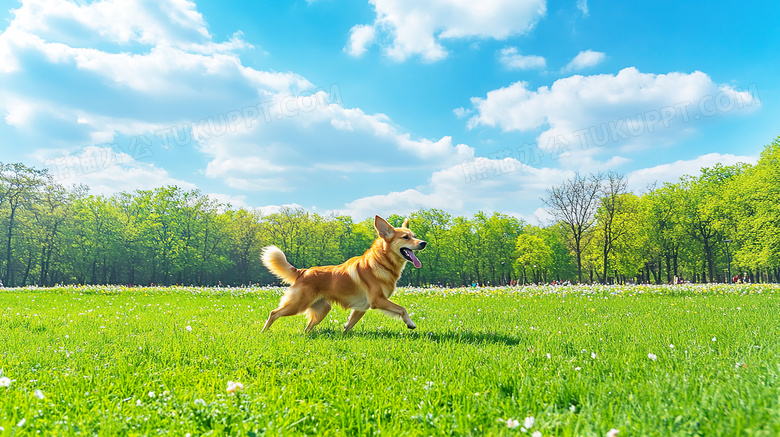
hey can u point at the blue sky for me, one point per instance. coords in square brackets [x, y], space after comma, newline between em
[388, 106]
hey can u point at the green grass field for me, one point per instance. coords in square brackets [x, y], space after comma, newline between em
[676, 360]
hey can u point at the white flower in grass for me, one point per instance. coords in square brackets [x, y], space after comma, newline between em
[714, 339]
[233, 387]
[671, 346]
[572, 408]
[536, 434]
[151, 394]
[652, 356]
[138, 403]
[188, 328]
[548, 356]
[200, 402]
[593, 355]
[613, 432]
[21, 422]
[5, 381]
[529, 422]
[512, 423]
[39, 394]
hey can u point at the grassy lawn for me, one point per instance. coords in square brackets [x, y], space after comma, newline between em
[676, 360]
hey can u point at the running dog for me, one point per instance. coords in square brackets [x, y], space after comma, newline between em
[361, 283]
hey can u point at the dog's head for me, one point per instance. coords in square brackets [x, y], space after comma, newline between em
[400, 241]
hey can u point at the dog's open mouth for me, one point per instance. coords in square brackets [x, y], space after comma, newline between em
[409, 256]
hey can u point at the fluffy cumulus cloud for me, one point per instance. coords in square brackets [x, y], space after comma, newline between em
[360, 37]
[513, 60]
[626, 111]
[409, 28]
[153, 62]
[640, 180]
[485, 184]
[106, 170]
[287, 153]
[585, 59]
[133, 76]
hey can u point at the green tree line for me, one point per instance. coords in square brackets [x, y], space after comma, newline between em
[722, 223]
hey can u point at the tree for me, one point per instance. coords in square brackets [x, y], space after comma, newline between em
[533, 251]
[752, 205]
[465, 259]
[574, 203]
[702, 213]
[51, 213]
[661, 210]
[432, 225]
[611, 216]
[246, 243]
[18, 190]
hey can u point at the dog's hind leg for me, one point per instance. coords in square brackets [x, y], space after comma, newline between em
[354, 317]
[292, 303]
[316, 312]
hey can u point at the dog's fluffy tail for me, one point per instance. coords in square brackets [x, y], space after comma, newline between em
[275, 261]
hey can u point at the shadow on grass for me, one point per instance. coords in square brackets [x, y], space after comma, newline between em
[460, 336]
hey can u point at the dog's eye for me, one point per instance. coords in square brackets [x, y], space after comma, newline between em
[406, 237]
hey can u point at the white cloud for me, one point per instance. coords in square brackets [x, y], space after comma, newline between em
[629, 110]
[106, 171]
[19, 113]
[171, 22]
[511, 59]
[234, 201]
[582, 5]
[360, 37]
[151, 78]
[328, 141]
[480, 184]
[585, 59]
[641, 179]
[274, 209]
[462, 112]
[179, 73]
[418, 28]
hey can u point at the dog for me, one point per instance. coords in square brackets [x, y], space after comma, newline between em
[361, 283]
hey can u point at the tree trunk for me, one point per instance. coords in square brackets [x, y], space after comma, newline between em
[579, 259]
[8, 275]
[27, 270]
[708, 261]
[43, 265]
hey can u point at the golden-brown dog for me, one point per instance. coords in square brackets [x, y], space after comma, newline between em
[361, 283]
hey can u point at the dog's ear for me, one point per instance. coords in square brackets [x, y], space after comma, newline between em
[406, 224]
[385, 229]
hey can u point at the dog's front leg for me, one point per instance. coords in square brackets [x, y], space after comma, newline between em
[382, 303]
[354, 317]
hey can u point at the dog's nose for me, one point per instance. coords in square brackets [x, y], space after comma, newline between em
[422, 244]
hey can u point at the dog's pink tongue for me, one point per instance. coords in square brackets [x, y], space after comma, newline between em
[415, 261]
